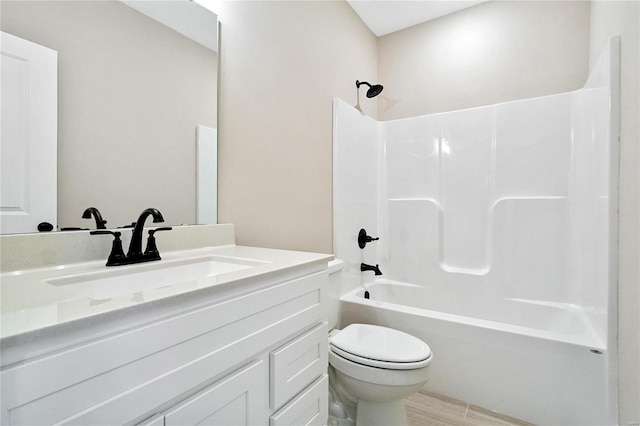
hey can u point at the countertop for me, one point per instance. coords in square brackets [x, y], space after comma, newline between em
[30, 302]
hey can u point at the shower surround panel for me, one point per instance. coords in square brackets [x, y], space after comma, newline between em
[500, 196]
[509, 199]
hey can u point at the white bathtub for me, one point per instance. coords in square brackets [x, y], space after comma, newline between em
[542, 363]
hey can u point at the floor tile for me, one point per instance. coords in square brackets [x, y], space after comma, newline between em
[429, 409]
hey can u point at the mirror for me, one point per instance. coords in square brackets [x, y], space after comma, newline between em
[133, 96]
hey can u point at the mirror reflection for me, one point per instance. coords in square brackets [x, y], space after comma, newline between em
[132, 94]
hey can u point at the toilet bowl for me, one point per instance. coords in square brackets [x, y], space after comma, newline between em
[378, 367]
[372, 370]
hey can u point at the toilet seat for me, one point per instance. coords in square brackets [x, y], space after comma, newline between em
[380, 347]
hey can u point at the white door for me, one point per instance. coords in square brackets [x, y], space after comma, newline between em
[28, 137]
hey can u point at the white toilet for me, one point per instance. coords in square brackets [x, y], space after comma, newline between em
[372, 368]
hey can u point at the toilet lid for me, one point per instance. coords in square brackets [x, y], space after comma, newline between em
[362, 342]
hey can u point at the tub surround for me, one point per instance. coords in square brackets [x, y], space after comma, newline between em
[159, 354]
[501, 219]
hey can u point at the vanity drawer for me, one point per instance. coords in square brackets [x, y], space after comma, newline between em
[297, 364]
[311, 407]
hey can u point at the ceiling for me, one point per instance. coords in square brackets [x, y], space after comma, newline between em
[189, 18]
[386, 16]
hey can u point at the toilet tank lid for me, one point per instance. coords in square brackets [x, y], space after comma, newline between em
[381, 343]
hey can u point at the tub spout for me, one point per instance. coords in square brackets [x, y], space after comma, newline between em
[375, 269]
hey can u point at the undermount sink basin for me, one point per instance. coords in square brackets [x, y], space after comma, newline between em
[153, 275]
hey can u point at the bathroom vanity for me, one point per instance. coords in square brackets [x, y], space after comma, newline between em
[236, 335]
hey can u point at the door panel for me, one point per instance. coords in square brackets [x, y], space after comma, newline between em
[28, 139]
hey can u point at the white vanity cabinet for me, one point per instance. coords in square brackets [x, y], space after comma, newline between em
[251, 355]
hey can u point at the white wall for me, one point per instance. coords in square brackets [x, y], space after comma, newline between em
[131, 93]
[282, 64]
[493, 52]
[607, 18]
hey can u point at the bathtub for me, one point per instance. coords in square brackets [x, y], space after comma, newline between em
[543, 363]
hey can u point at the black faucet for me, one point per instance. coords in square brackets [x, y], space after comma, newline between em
[100, 223]
[135, 254]
[135, 247]
[365, 267]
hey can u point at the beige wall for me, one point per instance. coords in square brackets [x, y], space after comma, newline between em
[282, 64]
[610, 18]
[493, 52]
[131, 93]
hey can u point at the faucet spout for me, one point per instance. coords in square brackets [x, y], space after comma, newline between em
[96, 215]
[135, 247]
[375, 269]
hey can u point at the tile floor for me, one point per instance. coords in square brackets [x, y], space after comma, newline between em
[427, 409]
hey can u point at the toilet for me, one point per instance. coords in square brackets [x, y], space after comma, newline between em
[372, 369]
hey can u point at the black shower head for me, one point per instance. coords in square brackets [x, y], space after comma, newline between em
[374, 90]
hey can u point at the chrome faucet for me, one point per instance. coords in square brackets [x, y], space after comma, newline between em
[100, 223]
[135, 247]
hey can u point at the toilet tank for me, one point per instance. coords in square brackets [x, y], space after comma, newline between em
[335, 277]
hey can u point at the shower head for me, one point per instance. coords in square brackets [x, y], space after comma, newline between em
[374, 90]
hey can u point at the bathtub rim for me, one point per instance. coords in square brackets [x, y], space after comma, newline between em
[588, 340]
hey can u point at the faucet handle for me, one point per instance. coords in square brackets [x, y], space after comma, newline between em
[164, 228]
[116, 257]
[363, 238]
[104, 232]
[152, 249]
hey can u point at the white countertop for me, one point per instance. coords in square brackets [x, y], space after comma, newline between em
[28, 302]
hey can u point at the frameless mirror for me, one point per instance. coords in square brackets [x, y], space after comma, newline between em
[137, 105]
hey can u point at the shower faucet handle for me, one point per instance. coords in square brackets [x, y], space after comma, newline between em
[363, 238]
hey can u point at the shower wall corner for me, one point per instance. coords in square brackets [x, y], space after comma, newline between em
[357, 175]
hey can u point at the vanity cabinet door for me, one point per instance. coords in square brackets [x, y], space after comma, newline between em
[238, 399]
